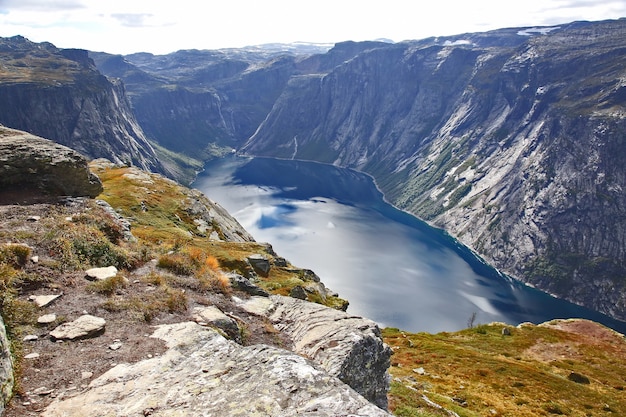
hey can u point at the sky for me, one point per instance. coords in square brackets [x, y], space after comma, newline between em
[158, 26]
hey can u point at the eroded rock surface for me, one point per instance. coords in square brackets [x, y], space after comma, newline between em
[31, 162]
[346, 346]
[202, 373]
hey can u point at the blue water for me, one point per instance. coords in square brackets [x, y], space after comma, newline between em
[392, 267]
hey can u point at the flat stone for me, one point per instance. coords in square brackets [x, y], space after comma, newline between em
[83, 327]
[33, 355]
[115, 345]
[30, 338]
[46, 318]
[261, 306]
[43, 391]
[99, 274]
[43, 300]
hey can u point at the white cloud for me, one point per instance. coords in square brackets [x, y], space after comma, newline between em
[133, 19]
[125, 26]
[39, 5]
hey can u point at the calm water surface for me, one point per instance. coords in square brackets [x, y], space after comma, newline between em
[392, 267]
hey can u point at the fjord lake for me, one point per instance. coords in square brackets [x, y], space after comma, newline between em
[392, 267]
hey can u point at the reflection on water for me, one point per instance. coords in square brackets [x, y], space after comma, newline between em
[392, 267]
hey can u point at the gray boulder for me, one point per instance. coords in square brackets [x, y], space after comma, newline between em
[203, 374]
[213, 316]
[259, 263]
[28, 162]
[244, 284]
[348, 347]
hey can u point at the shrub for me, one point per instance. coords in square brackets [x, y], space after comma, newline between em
[104, 222]
[555, 408]
[164, 299]
[16, 255]
[80, 245]
[98, 251]
[212, 278]
[7, 275]
[18, 312]
[174, 300]
[108, 286]
[176, 263]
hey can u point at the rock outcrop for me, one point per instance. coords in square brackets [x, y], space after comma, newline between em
[28, 162]
[7, 380]
[348, 347]
[204, 374]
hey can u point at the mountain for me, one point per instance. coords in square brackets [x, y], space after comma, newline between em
[59, 94]
[511, 140]
[214, 99]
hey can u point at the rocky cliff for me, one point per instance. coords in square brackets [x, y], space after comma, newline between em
[511, 140]
[59, 94]
[214, 100]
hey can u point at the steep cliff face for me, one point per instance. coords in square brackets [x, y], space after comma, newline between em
[513, 141]
[213, 98]
[206, 97]
[59, 94]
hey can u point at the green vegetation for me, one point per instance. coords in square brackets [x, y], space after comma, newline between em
[440, 175]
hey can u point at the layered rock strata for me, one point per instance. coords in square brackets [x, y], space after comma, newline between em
[202, 373]
[28, 162]
[346, 346]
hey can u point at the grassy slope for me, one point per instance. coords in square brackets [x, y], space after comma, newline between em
[480, 372]
[160, 221]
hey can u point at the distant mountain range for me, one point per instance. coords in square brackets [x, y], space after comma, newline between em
[511, 140]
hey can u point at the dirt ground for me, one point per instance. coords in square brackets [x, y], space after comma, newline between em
[66, 367]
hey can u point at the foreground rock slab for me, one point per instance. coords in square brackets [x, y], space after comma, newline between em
[203, 374]
[348, 347]
[44, 300]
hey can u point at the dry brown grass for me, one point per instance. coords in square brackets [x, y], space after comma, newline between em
[479, 371]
